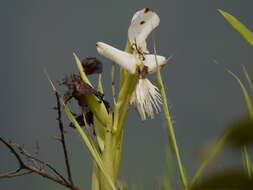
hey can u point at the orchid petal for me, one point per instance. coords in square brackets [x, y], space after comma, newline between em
[142, 24]
[125, 60]
[151, 61]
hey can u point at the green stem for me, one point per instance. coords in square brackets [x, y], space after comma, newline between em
[170, 130]
[113, 83]
[108, 154]
[95, 177]
[124, 99]
[127, 85]
[246, 161]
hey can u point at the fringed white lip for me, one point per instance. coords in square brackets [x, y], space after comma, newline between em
[146, 98]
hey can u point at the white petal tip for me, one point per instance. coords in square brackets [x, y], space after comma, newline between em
[100, 46]
[105, 49]
[140, 12]
[142, 24]
[166, 61]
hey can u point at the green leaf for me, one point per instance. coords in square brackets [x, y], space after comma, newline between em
[232, 179]
[97, 108]
[100, 84]
[237, 25]
[100, 131]
[94, 152]
[80, 68]
[246, 74]
[246, 161]
[245, 93]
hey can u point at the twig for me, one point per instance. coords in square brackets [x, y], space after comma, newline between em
[14, 174]
[14, 152]
[29, 156]
[48, 176]
[32, 169]
[63, 138]
[58, 107]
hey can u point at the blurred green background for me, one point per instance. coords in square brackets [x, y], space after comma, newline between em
[38, 34]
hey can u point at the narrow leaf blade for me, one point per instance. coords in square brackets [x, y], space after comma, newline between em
[94, 152]
[238, 26]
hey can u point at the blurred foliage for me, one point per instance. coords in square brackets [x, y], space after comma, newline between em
[240, 132]
[231, 179]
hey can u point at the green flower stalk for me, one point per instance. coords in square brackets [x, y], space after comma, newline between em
[170, 131]
[135, 62]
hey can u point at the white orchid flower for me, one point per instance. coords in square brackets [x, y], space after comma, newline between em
[145, 96]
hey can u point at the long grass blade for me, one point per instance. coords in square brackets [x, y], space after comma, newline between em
[246, 161]
[247, 77]
[245, 93]
[170, 127]
[237, 25]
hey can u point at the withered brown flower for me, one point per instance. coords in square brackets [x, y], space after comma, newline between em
[92, 65]
[77, 89]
